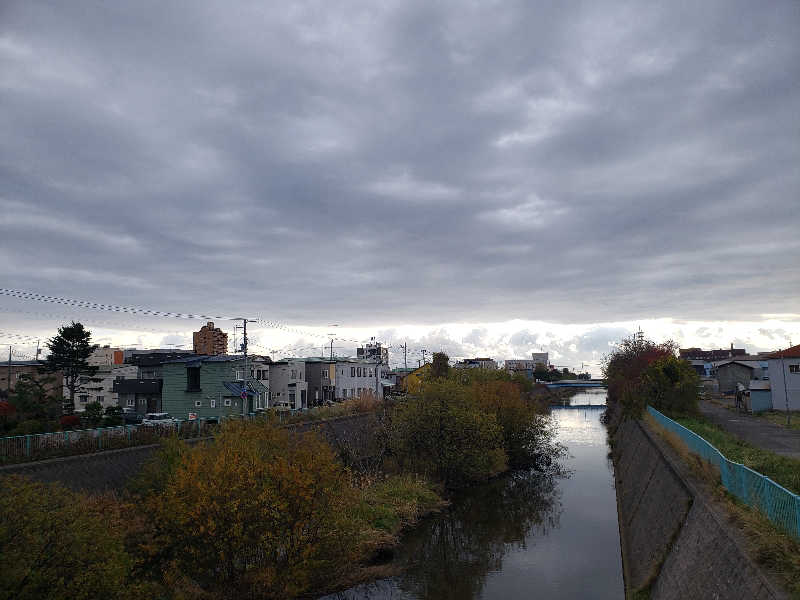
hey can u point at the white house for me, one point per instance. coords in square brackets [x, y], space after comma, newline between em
[784, 377]
[100, 386]
[356, 377]
[288, 387]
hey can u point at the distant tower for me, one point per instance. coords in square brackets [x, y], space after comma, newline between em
[210, 340]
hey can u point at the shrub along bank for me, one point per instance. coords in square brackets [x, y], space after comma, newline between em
[265, 513]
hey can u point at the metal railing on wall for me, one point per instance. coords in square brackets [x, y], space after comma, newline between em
[781, 506]
[38, 446]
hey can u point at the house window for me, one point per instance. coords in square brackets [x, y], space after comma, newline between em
[131, 402]
[794, 368]
[100, 399]
[352, 372]
[83, 399]
[193, 379]
[213, 403]
[239, 375]
[358, 372]
[198, 403]
[371, 373]
[227, 401]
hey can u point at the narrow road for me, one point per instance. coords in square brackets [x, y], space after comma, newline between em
[753, 430]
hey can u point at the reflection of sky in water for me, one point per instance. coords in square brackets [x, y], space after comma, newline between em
[576, 556]
[589, 396]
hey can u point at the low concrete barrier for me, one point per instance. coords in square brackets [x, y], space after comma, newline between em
[112, 469]
[673, 541]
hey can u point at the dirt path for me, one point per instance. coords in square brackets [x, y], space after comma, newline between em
[753, 430]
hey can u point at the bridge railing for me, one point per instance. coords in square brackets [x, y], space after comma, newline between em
[781, 506]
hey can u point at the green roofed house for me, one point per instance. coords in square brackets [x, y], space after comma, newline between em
[213, 386]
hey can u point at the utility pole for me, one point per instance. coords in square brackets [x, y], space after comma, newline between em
[405, 356]
[783, 376]
[423, 355]
[331, 349]
[246, 374]
[9, 371]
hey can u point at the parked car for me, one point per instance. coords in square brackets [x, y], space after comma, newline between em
[153, 419]
[131, 417]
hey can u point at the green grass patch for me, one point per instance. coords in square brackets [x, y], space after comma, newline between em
[779, 418]
[391, 503]
[781, 469]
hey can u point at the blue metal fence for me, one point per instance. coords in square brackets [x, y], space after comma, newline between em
[781, 506]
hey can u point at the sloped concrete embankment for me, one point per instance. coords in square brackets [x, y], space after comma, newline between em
[112, 469]
[673, 541]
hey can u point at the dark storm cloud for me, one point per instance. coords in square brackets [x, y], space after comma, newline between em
[404, 163]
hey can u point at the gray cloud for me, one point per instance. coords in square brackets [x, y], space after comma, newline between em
[403, 162]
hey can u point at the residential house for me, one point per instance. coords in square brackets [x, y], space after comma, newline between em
[732, 372]
[142, 394]
[288, 385]
[321, 378]
[699, 354]
[355, 377]
[12, 372]
[784, 375]
[100, 386]
[527, 366]
[476, 363]
[212, 387]
[415, 379]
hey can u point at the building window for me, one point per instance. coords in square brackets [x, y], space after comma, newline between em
[193, 379]
[794, 368]
[198, 403]
[100, 399]
[213, 403]
[83, 399]
[227, 401]
[294, 373]
[358, 372]
[352, 372]
[371, 373]
[131, 402]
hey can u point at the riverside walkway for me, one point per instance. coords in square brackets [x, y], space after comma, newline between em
[753, 430]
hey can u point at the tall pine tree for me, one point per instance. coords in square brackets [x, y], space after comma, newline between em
[69, 353]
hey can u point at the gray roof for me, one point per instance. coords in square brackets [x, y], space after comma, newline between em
[207, 358]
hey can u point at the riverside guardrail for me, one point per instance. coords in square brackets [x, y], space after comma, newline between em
[781, 506]
[38, 446]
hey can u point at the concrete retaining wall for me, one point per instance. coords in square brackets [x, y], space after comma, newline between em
[673, 540]
[112, 469]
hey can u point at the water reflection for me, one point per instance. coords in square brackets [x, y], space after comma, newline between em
[523, 535]
[450, 555]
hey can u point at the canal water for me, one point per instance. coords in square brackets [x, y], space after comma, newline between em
[524, 535]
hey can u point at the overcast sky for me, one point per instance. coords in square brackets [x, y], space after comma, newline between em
[445, 171]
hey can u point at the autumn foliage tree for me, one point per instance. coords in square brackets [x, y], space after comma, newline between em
[632, 383]
[444, 433]
[55, 545]
[258, 513]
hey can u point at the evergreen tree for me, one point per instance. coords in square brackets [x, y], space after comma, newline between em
[441, 365]
[69, 353]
